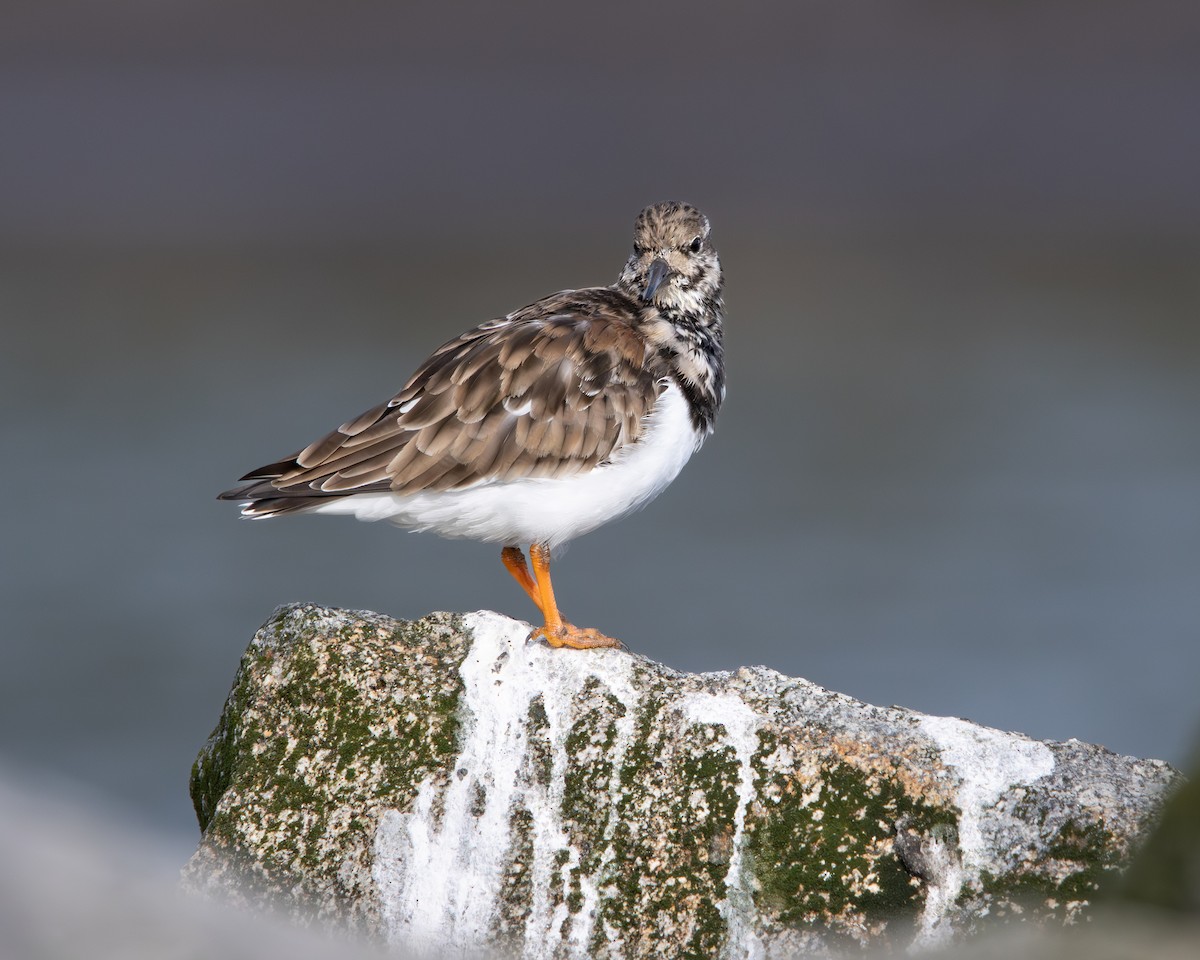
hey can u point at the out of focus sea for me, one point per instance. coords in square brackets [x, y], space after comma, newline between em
[959, 463]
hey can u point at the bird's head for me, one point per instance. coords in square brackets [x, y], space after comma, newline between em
[674, 265]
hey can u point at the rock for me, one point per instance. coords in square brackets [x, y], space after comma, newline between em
[446, 783]
[1166, 872]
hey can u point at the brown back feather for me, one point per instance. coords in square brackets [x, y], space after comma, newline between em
[549, 391]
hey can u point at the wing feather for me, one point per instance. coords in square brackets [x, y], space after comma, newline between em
[551, 390]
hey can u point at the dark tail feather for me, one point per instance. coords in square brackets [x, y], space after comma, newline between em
[262, 486]
[263, 499]
[252, 491]
[279, 506]
[273, 470]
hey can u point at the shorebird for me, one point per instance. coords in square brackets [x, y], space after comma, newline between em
[539, 426]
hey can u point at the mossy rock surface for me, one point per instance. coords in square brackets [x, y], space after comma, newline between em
[446, 783]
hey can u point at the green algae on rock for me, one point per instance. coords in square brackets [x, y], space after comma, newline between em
[332, 719]
[445, 783]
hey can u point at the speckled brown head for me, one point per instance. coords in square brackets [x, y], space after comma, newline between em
[675, 276]
[674, 265]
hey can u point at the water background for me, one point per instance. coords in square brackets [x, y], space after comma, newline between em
[958, 467]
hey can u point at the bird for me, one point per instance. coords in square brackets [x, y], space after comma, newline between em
[541, 425]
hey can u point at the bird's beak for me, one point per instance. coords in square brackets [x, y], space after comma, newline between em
[656, 276]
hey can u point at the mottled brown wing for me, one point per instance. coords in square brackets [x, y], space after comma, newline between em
[549, 391]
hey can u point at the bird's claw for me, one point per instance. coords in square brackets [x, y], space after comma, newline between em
[577, 638]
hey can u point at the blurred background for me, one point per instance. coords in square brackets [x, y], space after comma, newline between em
[957, 469]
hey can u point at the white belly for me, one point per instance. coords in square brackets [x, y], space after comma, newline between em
[545, 510]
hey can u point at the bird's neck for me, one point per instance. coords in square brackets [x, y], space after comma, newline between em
[689, 343]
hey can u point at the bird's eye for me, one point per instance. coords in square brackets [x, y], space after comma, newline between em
[694, 246]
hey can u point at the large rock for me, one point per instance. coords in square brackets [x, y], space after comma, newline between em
[446, 783]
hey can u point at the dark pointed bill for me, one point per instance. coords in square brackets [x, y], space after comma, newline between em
[656, 276]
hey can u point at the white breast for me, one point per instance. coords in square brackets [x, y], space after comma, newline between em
[547, 510]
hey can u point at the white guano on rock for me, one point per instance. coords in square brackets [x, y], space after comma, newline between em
[440, 867]
[989, 762]
[741, 731]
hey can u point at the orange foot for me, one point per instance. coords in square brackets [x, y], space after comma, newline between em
[557, 632]
[578, 638]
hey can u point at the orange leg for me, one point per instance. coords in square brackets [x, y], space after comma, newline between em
[557, 631]
[514, 562]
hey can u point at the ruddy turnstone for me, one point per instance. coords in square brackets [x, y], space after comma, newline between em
[539, 426]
